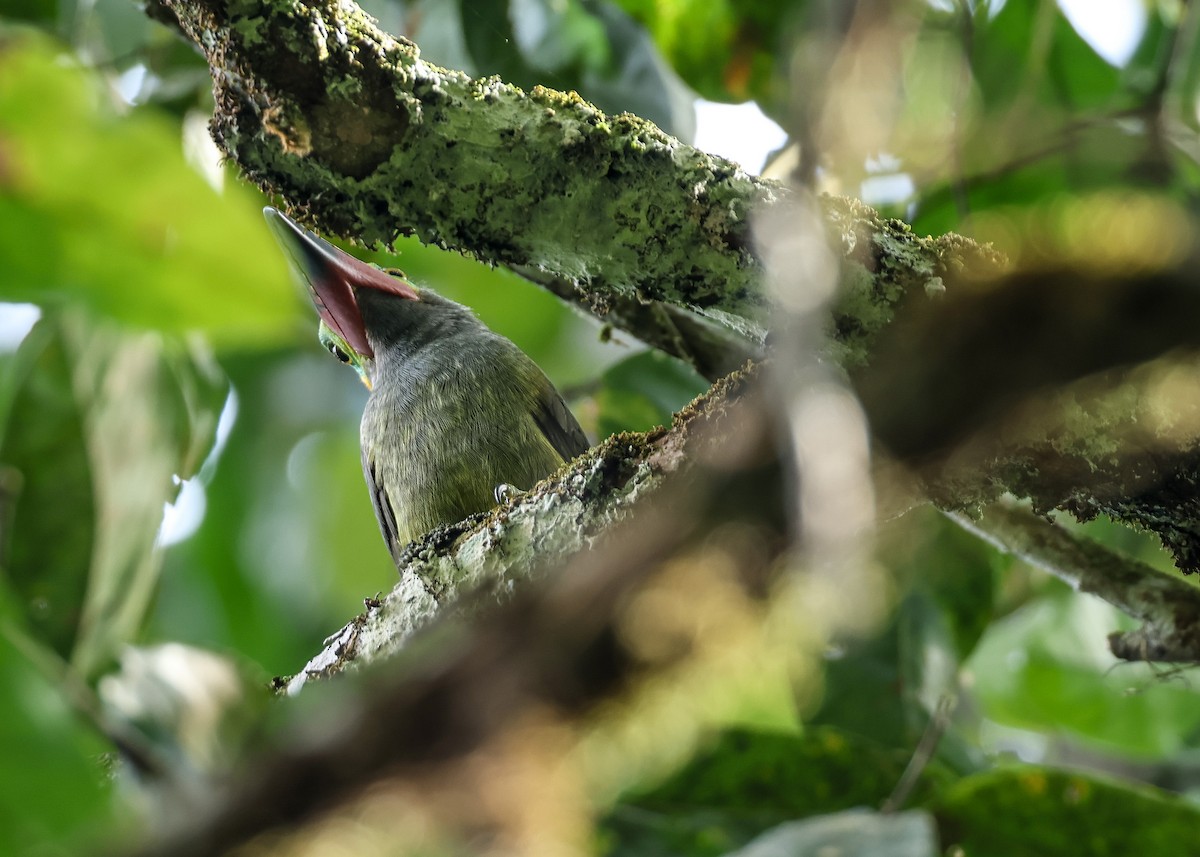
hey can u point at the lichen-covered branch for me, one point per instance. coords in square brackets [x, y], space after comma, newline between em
[487, 556]
[364, 139]
[1168, 607]
[356, 131]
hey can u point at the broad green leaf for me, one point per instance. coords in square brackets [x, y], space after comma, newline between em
[57, 796]
[1030, 54]
[1030, 810]
[53, 520]
[1046, 667]
[643, 391]
[289, 528]
[42, 12]
[725, 50]
[101, 209]
[99, 425]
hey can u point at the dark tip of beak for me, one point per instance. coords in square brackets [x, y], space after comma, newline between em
[331, 276]
[308, 254]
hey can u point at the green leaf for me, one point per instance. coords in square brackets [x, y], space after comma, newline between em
[289, 527]
[890, 685]
[585, 45]
[748, 782]
[725, 50]
[1029, 53]
[99, 424]
[1031, 810]
[643, 391]
[103, 210]
[57, 797]
[44, 447]
[1046, 667]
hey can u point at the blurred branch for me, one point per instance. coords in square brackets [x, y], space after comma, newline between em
[1028, 385]
[1166, 605]
[427, 735]
[948, 368]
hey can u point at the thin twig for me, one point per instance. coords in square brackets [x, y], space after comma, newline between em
[934, 731]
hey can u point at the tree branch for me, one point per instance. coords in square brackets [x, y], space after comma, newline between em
[486, 557]
[366, 140]
[354, 129]
[557, 649]
[361, 135]
[1168, 607]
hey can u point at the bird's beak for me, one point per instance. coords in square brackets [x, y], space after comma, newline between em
[331, 276]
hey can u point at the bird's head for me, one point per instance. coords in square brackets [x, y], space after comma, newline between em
[333, 278]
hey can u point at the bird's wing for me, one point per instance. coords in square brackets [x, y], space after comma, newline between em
[383, 506]
[558, 424]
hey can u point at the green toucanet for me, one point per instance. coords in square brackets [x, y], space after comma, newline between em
[456, 411]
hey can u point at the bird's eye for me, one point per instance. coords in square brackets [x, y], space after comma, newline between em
[337, 352]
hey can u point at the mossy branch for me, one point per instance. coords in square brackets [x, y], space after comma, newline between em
[1168, 607]
[484, 559]
[353, 128]
[364, 139]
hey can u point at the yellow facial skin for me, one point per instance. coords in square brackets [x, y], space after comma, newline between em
[343, 352]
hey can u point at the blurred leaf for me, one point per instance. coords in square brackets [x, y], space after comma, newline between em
[1050, 116]
[1046, 667]
[1029, 53]
[889, 685]
[643, 391]
[521, 39]
[586, 45]
[42, 12]
[748, 782]
[104, 210]
[56, 796]
[289, 528]
[44, 441]
[957, 571]
[1093, 158]
[97, 425]
[108, 30]
[1030, 810]
[725, 50]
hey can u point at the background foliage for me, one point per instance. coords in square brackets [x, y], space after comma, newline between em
[172, 362]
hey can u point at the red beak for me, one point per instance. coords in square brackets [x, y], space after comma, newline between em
[332, 276]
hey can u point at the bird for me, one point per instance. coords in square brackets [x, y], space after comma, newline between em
[458, 417]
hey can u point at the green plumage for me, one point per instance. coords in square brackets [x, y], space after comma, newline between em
[455, 411]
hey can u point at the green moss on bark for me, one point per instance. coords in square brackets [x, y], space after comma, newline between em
[353, 128]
